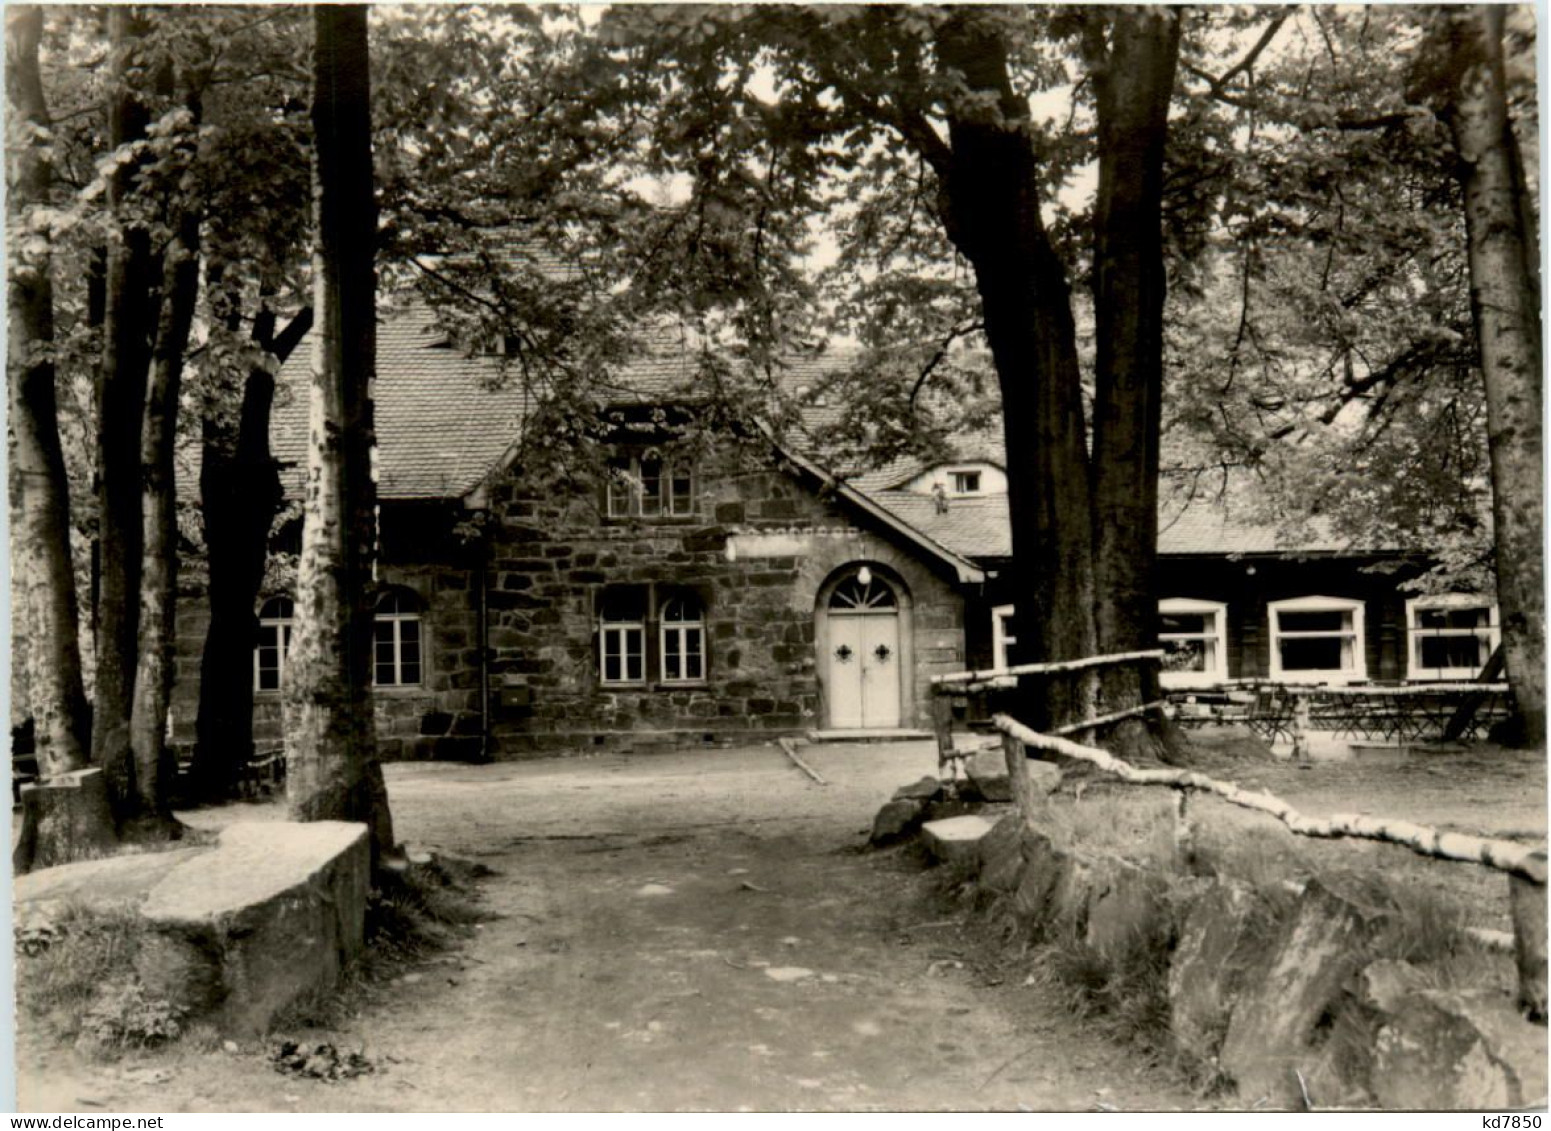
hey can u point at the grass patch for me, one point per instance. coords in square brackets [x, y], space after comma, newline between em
[75, 964]
[76, 983]
[425, 908]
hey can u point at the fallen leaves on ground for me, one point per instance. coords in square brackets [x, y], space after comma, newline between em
[319, 1061]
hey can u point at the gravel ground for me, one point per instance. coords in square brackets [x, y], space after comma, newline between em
[704, 930]
[684, 931]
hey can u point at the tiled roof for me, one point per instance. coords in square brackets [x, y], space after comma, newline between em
[978, 528]
[442, 422]
[979, 446]
[667, 365]
[975, 527]
[445, 419]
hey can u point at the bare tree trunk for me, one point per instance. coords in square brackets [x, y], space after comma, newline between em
[1504, 261]
[130, 320]
[240, 493]
[1133, 77]
[990, 207]
[153, 766]
[332, 770]
[42, 560]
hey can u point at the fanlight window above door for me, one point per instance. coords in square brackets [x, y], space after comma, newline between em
[862, 593]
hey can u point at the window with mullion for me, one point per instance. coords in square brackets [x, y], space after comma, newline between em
[1191, 634]
[274, 642]
[396, 641]
[622, 637]
[622, 488]
[1317, 638]
[624, 653]
[682, 632]
[1451, 636]
[649, 487]
[651, 473]
[681, 491]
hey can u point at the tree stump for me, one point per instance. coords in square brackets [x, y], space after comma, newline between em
[64, 818]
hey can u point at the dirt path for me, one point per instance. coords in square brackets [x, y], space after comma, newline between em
[678, 931]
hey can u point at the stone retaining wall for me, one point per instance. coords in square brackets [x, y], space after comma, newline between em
[1285, 995]
[1258, 980]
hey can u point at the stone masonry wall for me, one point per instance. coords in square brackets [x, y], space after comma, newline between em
[440, 718]
[756, 553]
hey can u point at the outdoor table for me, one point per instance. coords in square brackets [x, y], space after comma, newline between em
[1399, 712]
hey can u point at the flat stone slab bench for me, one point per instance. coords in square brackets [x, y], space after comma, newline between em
[239, 929]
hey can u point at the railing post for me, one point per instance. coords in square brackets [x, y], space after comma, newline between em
[1300, 729]
[1527, 902]
[1182, 847]
[942, 726]
[1018, 778]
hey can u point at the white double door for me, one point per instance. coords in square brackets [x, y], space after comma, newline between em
[864, 670]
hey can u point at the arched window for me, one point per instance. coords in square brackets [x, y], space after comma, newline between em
[274, 641]
[682, 633]
[397, 640]
[863, 592]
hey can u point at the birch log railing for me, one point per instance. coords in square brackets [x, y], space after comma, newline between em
[1525, 866]
[1007, 677]
[950, 761]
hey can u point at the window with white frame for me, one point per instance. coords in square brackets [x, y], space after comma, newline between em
[274, 641]
[1317, 640]
[648, 486]
[965, 482]
[397, 640]
[1193, 636]
[1450, 636]
[682, 637]
[622, 637]
[1002, 638]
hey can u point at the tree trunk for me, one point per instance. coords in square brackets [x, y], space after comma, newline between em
[66, 817]
[48, 611]
[1133, 77]
[1505, 302]
[990, 207]
[332, 770]
[130, 318]
[240, 494]
[154, 769]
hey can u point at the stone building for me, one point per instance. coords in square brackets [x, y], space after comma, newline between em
[666, 599]
[741, 590]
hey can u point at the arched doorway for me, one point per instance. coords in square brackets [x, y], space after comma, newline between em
[862, 658]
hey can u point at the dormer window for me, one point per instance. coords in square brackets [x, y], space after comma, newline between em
[648, 486]
[965, 479]
[965, 482]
